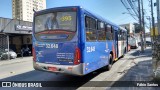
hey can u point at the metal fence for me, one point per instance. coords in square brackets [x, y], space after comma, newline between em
[3, 42]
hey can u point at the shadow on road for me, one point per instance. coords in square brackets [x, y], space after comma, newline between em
[73, 82]
[147, 53]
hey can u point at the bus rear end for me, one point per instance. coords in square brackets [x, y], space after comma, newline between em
[55, 41]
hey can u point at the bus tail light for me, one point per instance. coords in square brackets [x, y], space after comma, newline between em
[77, 56]
[34, 54]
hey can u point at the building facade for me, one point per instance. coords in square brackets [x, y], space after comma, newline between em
[130, 27]
[23, 9]
[14, 34]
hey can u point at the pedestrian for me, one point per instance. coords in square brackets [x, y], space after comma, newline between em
[22, 52]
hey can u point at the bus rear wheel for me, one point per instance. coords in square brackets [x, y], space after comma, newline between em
[109, 66]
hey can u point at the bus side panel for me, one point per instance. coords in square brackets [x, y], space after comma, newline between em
[81, 36]
[96, 55]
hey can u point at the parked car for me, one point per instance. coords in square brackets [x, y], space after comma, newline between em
[4, 54]
[148, 43]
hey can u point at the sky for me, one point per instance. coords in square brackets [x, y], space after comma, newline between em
[109, 9]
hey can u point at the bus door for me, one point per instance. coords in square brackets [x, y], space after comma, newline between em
[116, 43]
[120, 43]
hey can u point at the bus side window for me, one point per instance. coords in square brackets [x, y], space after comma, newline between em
[113, 33]
[87, 22]
[126, 36]
[109, 34]
[101, 31]
[123, 35]
[119, 35]
[90, 25]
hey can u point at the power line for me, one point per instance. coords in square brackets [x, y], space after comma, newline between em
[2, 30]
[127, 7]
[133, 7]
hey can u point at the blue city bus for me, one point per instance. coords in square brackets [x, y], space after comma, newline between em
[72, 40]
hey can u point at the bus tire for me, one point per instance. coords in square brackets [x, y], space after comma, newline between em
[109, 66]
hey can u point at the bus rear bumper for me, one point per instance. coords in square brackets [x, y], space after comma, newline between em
[66, 69]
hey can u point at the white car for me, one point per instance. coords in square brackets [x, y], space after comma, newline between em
[12, 54]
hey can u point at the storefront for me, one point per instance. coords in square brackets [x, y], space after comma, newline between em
[15, 35]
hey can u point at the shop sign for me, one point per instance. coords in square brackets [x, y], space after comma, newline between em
[23, 28]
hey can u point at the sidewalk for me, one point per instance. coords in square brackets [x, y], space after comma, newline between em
[140, 69]
[17, 60]
[134, 66]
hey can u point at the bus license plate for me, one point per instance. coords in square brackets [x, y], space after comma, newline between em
[52, 68]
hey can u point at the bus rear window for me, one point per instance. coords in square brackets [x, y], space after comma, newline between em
[65, 21]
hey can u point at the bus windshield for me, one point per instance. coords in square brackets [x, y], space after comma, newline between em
[55, 21]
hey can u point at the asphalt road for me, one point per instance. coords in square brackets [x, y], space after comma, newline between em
[23, 71]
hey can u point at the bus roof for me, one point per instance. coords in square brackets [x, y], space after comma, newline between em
[103, 19]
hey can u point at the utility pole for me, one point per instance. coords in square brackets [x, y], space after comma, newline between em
[153, 41]
[156, 43]
[158, 15]
[153, 26]
[140, 23]
[144, 33]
